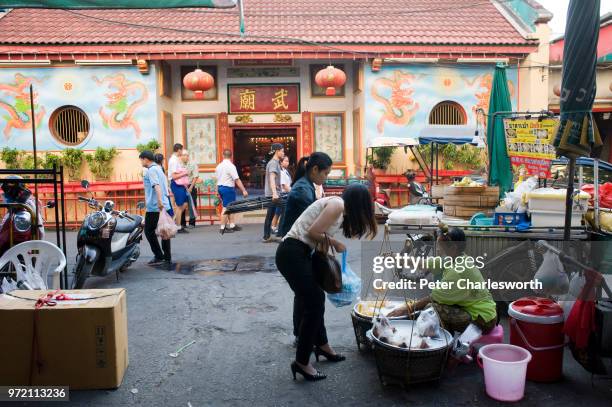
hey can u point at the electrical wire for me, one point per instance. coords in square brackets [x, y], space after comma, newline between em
[348, 14]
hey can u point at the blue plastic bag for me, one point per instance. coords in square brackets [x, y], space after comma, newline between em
[351, 286]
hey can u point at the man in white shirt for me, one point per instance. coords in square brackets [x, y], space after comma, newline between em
[227, 180]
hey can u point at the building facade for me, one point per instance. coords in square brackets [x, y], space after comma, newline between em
[114, 78]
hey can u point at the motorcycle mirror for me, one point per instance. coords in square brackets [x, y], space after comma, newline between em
[140, 205]
[50, 204]
[85, 184]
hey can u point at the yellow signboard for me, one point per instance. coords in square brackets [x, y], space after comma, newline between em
[529, 144]
[531, 137]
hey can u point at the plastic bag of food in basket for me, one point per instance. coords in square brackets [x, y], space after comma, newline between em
[552, 275]
[166, 228]
[351, 286]
[428, 323]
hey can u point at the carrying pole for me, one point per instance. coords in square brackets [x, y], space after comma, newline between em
[569, 197]
[33, 124]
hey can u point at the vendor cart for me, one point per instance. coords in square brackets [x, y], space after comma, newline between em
[508, 253]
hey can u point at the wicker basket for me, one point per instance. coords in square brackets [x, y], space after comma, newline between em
[361, 325]
[407, 367]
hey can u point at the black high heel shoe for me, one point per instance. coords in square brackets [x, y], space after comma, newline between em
[338, 357]
[295, 368]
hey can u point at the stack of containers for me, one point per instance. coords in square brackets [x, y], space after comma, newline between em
[547, 207]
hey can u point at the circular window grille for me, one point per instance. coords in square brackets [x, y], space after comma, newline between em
[448, 113]
[69, 125]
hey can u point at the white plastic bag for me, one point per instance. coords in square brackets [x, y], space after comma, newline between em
[513, 201]
[166, 228]
[7, 286]
[552, 276]
[351, 286]
[428, 323]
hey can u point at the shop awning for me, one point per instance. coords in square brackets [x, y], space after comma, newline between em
[392, 142]
[441, 134]
[585, 162]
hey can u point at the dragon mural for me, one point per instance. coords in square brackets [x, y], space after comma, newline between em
[118, 113]
[19, 114]
[400, 107]
[483, 94]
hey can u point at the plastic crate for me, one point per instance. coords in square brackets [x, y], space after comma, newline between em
[509, 218]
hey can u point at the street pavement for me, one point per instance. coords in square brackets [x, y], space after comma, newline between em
[241, 324]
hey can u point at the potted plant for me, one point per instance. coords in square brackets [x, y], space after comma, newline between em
[10, 157]
[72, 158]
[51, 160]
[382, 158]
[151, 145]
[100, 162]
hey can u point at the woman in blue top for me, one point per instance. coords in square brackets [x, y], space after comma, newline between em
[311, 170]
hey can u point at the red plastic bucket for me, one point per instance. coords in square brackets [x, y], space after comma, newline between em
[536, 324]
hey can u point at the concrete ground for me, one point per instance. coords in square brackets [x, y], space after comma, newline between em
[241, 325]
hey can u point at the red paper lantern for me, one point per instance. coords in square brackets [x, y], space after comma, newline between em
[199, 82]
[330, 78]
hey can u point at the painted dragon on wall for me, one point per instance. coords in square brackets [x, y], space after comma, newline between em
[484, 84]
[18, 115]
[400, 107]
[118, 113]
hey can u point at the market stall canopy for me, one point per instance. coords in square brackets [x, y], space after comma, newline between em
[500, 169]
[377, 142]
[577, 134]
[115, 4]
[442, 134]
[585, 162]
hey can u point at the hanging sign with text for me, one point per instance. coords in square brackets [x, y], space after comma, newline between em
[529, 144]
[277, 98]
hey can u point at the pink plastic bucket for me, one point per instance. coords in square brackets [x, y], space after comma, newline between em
[505, 370]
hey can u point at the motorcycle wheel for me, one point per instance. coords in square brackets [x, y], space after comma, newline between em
[81, 272]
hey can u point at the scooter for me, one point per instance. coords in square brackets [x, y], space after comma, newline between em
[108, 240]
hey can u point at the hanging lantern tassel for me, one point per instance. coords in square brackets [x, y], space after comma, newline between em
[199, 82]
[330, 78]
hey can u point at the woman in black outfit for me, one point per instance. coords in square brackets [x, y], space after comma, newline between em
[311, 170]
[353, 214]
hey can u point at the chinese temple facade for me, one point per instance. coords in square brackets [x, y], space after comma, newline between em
[115, 77]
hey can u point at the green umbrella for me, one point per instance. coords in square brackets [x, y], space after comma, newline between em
[577, 134]
[500, 169]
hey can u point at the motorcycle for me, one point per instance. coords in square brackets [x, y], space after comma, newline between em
[108, 240]
[16, 226]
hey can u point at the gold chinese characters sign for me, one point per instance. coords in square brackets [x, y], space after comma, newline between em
[252, 99]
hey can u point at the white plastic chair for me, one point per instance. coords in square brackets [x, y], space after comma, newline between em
[34, 260]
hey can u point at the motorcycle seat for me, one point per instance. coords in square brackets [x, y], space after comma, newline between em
[126, 225]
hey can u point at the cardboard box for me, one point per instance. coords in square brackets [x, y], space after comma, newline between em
[82, 344]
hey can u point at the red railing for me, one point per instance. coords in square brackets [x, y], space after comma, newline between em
[126, 196]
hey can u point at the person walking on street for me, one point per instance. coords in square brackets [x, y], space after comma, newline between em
[192, 191]
[156, 200]
[177, 175]
[159, 160]
[311, 172]
[285, 187]
[227, 181]
[353, 214]
[273, 190]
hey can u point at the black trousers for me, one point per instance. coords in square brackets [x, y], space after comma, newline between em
[294, 261]
[163, 252]
[270, 216]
